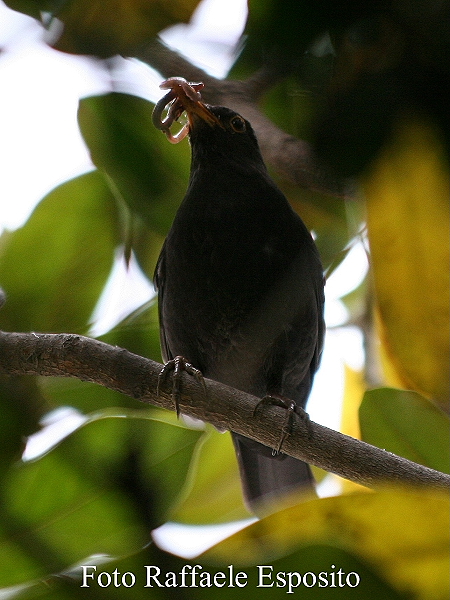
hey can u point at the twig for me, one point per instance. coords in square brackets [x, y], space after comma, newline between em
[68, 355]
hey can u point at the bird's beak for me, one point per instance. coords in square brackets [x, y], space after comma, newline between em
[198, 110]
[195, 108]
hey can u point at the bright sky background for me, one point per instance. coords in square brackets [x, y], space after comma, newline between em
[40, 147]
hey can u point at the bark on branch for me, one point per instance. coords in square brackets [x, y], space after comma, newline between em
[68, 355]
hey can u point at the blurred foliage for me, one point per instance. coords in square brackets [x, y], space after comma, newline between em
[363, 82]
[215, 495]
[105, 28]
[149, 176]
[389, 418]
[408, 220]
[40, 260]
[111, 472]
[384, 530]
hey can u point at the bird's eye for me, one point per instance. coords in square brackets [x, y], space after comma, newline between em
[238, 124]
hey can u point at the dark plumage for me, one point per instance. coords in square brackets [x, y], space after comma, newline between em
[241, 288]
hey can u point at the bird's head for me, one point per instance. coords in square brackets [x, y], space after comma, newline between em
[216, 130]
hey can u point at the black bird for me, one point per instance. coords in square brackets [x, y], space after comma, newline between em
[241, 289]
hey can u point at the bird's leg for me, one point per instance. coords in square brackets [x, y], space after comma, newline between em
[178, 365]
[291, 410]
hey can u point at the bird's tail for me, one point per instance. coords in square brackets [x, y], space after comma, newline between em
[267, 477]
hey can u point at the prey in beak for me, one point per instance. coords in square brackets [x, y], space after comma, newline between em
[183, 96]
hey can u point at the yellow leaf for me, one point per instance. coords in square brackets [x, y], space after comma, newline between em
[388, 371]
[353, 393]
[402, 534]
[354, 389]
[408, 222]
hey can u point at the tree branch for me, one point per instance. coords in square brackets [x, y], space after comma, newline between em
[292, 158]
[68, 355]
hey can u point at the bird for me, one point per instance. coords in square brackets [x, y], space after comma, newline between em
[241, 289]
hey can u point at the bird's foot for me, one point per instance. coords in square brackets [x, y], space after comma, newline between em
[291, 410]
[178, 365]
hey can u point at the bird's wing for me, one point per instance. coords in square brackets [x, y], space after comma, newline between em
[158, 280]
[283, 334]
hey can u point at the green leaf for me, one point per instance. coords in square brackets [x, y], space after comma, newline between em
[215, 494]
[138, 332]
[290, 107]
[33, 8]
[84, 396]
[284, 33]
[285, 30]
[53, 269]
[148, 172]
[407, 424]
[100, 491]
[20, 411]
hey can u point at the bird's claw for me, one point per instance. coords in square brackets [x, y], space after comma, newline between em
[173, 100]
[178, 365]
[291, 410]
